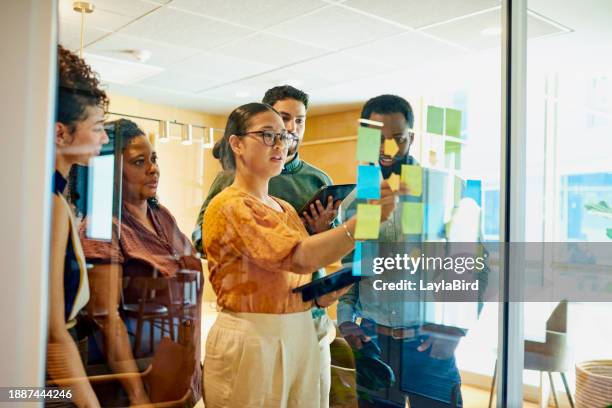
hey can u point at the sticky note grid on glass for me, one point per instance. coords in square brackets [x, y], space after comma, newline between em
[368, 144]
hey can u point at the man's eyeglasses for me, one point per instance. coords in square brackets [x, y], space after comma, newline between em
[269, 137]
[399, 139]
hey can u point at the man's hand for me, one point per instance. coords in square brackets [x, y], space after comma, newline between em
[353, 334]
[387, 200]
[320, 218]
[442, 346]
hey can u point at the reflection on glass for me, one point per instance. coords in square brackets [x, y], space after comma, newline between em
[100, 199]
[569, 190]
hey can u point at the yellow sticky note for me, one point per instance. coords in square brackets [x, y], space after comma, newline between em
[368, 221]
[412, 218]
[413, 177]
[394, 181]
[390, 147]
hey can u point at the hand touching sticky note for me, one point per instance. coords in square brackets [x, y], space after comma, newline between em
[412, 218]
[368, 182]
[368, 144]
[368, 221]
[413, 177]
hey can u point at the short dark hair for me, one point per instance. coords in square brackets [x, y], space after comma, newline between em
[79, 88]
[279, 93]
[388, 104]
[237, 123]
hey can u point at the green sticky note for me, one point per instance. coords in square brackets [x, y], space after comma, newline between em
[368, 221]
[453, 150]
[412, 218]
[458, 190]
[368, 144]
[609, 233]
[413, 177]
[453, 123]
[435, 120]
[452, 147]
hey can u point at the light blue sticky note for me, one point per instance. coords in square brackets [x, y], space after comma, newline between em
[368, 182]
[357, 259]
[473, 190]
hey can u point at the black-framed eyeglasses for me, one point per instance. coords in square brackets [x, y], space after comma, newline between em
[399, 139]
[270, 137]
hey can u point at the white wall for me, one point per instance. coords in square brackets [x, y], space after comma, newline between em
[27, 78]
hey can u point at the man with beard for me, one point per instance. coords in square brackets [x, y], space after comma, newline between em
[296, 184]
[395, 358]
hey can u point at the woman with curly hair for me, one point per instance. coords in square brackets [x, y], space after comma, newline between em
[79, 136]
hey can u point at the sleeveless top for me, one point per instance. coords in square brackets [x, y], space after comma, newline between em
[76, 284]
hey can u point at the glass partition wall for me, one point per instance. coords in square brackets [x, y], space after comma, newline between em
[446, 140]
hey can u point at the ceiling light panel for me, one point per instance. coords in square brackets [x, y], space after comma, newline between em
[406, 50]
[117, 71]
[238, 92]
[306, 81]
[184, 29]
[342, 66]
[419, 13]
[180, 82]
[270, 50]
[257, 14]
[335, 27]
[222, 67]
[162, 54]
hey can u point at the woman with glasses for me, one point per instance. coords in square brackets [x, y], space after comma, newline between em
[262, 350]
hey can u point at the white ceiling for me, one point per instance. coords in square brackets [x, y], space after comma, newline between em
[213, 55]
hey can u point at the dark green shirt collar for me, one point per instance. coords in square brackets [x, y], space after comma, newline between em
[293, 166]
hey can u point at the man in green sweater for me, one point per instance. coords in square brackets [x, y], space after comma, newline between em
[296, 184]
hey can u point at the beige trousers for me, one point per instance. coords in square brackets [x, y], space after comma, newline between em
[326, 333]
[262, 360]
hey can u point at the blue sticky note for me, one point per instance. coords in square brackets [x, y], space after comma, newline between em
[473, 190]
[357, 259]
[433, 220]
[368, 182]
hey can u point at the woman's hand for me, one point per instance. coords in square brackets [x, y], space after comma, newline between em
[329, 298]
[321, 218]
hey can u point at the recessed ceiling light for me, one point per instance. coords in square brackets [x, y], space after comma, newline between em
[242, 94]
[491, 31]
